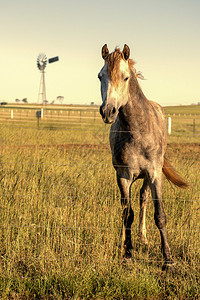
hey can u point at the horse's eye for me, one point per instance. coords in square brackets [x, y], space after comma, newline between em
[125, 79]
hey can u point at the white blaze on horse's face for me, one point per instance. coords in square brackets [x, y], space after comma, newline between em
[114, 94]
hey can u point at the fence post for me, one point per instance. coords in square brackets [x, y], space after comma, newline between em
[11, 114]
[42, 113]
[169, 125]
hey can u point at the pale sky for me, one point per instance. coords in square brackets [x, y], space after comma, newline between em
[164, 38]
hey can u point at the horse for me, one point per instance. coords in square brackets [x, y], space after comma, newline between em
[138, 140]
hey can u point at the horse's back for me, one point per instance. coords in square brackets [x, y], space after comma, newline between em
[160, 121]
[158, 108]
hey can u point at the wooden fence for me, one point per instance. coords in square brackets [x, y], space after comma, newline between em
[59, 118]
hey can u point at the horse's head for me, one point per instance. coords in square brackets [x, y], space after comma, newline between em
[114, 77]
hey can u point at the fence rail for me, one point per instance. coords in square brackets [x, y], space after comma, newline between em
[179, 126]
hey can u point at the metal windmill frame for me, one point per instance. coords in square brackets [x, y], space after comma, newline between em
[41, 64]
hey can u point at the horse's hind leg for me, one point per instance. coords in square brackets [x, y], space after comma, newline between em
[144, 198]
[160, 219]
[127, 216]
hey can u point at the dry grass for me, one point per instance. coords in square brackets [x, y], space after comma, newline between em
[61, 217]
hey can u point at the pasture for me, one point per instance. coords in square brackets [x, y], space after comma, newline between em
[61, 213]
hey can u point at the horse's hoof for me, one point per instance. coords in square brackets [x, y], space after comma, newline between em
[126, 250]
[169, 266]
[142, 239]
[141, 243]
[127, 261]
[128, 254]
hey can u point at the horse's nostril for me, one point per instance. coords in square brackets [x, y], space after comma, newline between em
[113, 110]
[101, 110]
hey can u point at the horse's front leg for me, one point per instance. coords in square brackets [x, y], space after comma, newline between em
[160, 219]
[127, 216]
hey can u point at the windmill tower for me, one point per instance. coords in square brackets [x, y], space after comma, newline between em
[41, 64]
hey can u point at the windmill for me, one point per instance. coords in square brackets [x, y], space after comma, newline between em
[41, 64]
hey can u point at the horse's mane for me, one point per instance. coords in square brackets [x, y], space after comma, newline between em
[113, 61]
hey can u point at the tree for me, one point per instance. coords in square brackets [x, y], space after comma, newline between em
[25, 100]
[60, 99]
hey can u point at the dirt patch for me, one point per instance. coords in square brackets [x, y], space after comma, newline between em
[186, 150]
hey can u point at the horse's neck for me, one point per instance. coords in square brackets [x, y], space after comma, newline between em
[133, 114]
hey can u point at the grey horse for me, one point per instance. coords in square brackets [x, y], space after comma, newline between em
[138, 140]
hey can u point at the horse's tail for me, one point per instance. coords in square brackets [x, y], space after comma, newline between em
[171, 175]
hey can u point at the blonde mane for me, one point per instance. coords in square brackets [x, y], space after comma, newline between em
[113, 62]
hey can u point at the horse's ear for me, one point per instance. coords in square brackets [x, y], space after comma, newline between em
[126, 52]
[105, 52]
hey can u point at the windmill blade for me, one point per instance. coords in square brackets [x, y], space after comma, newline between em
[53, 59]
[41, 61]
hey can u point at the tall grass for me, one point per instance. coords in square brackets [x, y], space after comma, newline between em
[61, 217]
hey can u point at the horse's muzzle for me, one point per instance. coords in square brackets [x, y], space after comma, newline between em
[108, 113]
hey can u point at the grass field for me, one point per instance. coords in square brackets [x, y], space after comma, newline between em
[61, 217]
